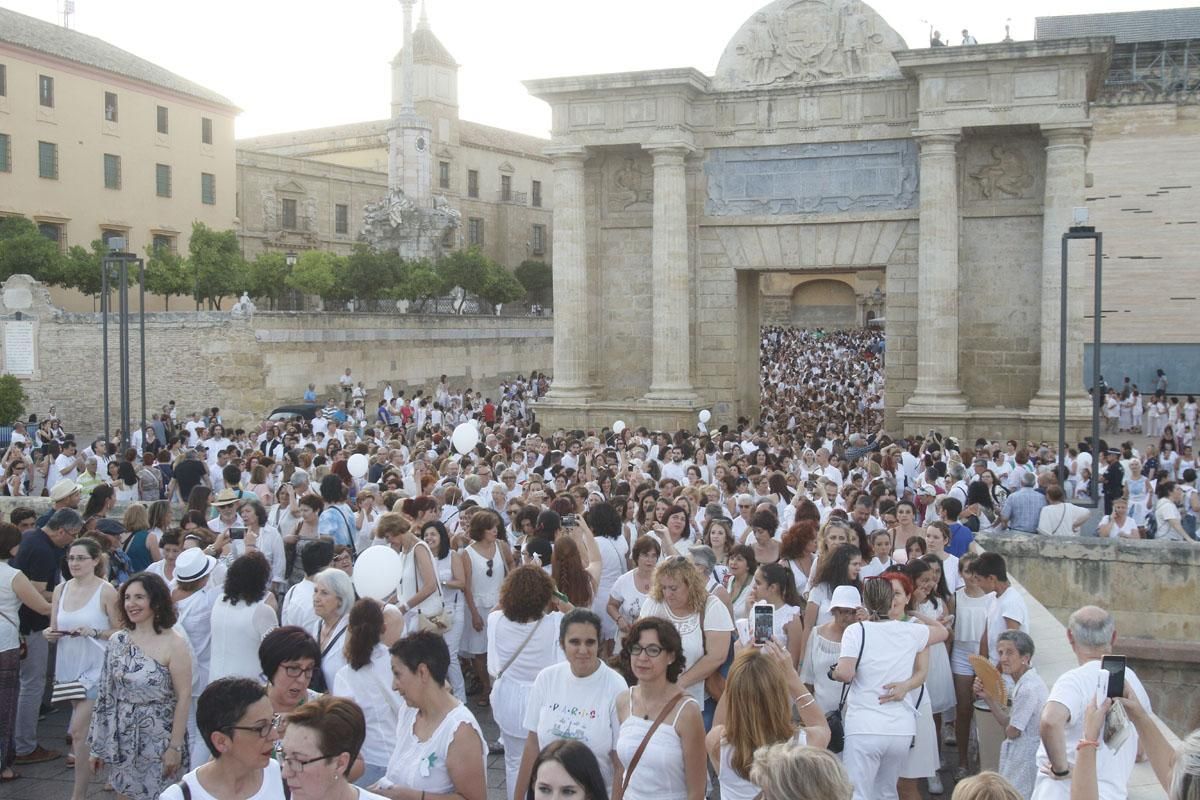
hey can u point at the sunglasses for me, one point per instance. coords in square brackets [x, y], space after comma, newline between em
[489, 566]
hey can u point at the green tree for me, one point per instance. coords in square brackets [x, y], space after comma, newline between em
[419, 281]
[216, 264]
[501, 286]
[23, 249]
[267, 277]
[465, 268]
[314, 273]
[167, 274]
[538, 280]
[80, 269]
[366, 274]
[12, 400]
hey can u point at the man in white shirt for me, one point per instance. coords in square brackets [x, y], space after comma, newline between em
[66, 465]
[1091, 632]
[741, 523]
[1006, 612]
[826, 470]
[676, 467]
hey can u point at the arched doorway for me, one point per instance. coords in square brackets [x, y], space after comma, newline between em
[824, 303]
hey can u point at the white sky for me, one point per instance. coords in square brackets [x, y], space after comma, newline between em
[295, 64]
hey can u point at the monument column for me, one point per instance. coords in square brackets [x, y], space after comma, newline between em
[571, 302]
[937, 276]
[671, 376]
[1066, 164]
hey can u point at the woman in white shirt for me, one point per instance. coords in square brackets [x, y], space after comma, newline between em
[631, 589]
[574, 700]
[322, 740]
[366, 679]
[773, 585]
[880, 720]
[333, 597]
[761, 693]
[1119, 524]
[243, 615]
[522, 639]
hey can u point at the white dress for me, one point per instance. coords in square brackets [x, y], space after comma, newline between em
[970, 618]
[939, 683]
[660, 773]
[486, 592]
[410, 585]
[452, 598]
[612, 566]
[237, 631]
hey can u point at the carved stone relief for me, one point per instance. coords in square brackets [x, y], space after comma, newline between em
[809, 41]
[270, 204]
[628, 184]
[812, 179]
[1002, 169]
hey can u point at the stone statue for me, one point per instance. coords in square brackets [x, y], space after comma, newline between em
[270, 209]
[244, 307]
[1008, 173]
[397, 224]
[761, 48]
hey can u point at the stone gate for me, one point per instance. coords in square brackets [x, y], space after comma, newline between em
[822, 145]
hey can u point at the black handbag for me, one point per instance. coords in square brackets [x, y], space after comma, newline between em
[837, 731]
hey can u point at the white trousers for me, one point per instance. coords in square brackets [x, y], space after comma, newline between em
[514, 748]
[873, 763]
[991, 736]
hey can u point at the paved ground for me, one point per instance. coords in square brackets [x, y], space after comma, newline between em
[53, 780]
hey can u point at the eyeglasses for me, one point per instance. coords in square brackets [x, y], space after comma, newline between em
[297, 765]
[263, 729]
[79, 558]
[652, 650]
[296, 672]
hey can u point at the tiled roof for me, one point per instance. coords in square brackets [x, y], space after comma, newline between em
[1164, 24]
[472, 133]
[353, 130]
[55, 40]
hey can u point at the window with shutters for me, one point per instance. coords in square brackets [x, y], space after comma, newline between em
[164, 122]
[475, 232]
[472, 183]
[341, 218]
[538, 243]
[5, 153]
[443, 174]
[46, 91]
[205, 130]
[208, 189]
[536, 194]
[289, 215]
[162, 180]
[110, 106]
[48, 160]
[112, 171]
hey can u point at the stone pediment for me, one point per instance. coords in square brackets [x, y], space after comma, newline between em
[290, 187]
[507, 168]
[807, 42]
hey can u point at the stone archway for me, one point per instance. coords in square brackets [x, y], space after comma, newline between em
[824, 303]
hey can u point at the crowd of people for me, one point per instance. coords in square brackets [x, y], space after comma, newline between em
[793, 610]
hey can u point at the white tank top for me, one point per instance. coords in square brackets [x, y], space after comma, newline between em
[659, 774]
[486, 589]
[80, 657]
[9, 607]
[445, 572]
[970, 618]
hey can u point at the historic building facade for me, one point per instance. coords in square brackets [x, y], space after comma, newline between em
[822, 147]
[305, 189]
[97, 143]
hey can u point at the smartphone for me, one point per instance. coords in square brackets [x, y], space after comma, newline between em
[236, 534]
[764, 623]
[570, 520]
[1115, 667]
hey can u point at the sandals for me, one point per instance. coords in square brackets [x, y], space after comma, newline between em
[70, 759]
[12, 775]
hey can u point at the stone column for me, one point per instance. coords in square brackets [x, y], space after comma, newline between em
[671, 377]
[571, 302]
[937, 277]
[1066, 157]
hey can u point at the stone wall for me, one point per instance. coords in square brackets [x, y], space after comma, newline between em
[250, 365]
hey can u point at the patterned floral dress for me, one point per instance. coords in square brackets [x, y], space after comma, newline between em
[131, 724]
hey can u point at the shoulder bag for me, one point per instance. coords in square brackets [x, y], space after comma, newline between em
[714, 684]
[837, 730]
[22, 645]
[637, 754]
[443, 620]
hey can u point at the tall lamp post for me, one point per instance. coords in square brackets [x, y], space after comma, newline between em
[290, 259]
[1080, 230]
[114, 268]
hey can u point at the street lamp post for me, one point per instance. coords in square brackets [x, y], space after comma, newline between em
[114, 268]
[290, 259]
[1081, 230]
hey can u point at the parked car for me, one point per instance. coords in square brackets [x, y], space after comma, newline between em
[305, 411]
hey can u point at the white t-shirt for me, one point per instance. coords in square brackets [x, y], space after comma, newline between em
[888, 653]
[1164, 512]
[1073, 690]
[298, 606]
[562, 706]
[1010, 605]
[626, 592]
[371, 688]
[716, 618]
[64, 466]
[1127, 529]
[271, 789]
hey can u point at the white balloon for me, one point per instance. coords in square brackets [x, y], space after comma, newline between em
[376, 572]
[358, 465]
[619, 427]
[705, 415]
[464, 438]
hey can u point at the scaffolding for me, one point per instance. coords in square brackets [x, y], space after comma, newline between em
[1167, 70]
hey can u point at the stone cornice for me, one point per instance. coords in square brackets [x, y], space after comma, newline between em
[562, 88]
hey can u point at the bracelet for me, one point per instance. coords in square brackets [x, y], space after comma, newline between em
[1062, 774]
[1087, 743]
[811, 700]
